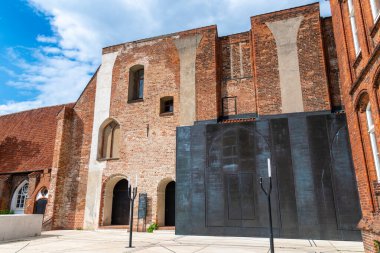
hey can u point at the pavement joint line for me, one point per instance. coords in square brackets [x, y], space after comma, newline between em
[205, 247]
[26, 245]
[167, 248]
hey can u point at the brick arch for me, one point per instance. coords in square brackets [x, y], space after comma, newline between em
[160, 214]
[106, 199]
[376, 87]
[376, 78]
[361, 101]
[44, 183]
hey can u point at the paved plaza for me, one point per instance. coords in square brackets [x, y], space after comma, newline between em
[165, 242]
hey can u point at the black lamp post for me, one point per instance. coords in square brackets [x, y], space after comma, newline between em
[267, 193]
[132, 193]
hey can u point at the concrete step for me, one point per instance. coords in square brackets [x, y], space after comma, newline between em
[166, 228]
[112, 227]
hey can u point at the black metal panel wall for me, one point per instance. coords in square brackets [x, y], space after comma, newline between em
[314, 194]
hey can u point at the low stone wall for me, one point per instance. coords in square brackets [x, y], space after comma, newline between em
[18, 226]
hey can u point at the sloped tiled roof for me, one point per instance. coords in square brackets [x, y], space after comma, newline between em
[27, 139]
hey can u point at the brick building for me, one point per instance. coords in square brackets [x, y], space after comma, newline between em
[356, 27]
[27, 141]
[123, 126]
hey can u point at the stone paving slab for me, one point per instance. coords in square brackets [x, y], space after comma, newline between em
[77, 241]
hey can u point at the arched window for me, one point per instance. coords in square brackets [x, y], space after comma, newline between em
[19, 198]
[110, 141]
[367, 132]
[354, 27]
[43, 194]
[372, 136]
[166, 105]
[136, 83]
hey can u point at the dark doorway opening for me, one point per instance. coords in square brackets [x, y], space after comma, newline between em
[170, 204]
[120, 204]
[40, 206]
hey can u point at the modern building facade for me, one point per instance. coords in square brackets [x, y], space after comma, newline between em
[356, 28]
[124, 127]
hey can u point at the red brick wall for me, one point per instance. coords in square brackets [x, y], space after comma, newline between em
[5, 191]
[72, 151]
[236, 74]
[148, 140]
[314, 81]
[331, 63]
[359, 82]
[147, 147]
[206, 78]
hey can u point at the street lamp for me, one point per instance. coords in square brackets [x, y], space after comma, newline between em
[132, 193]
[267, 193]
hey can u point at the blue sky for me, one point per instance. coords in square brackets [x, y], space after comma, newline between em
[50, 48]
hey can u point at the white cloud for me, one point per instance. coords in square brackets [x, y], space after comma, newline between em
[62, 65]
[51, 50]
[45, 39]
[12, 106]
[8, 71]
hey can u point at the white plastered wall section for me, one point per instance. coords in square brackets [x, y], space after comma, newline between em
[187, 50]
[101, 113]
[285, 33]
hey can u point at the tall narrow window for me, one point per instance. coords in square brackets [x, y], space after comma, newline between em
[110, 141]
[136, 83]
[354, 29]
[372, 135]
[375, 6]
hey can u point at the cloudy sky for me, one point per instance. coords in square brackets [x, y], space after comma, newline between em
[50, 48]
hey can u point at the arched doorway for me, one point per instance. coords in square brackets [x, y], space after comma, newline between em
[41, 201]
[120, 204]
[170, 204]
[40, 206]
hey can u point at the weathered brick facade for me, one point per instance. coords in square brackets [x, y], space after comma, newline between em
[26, 155]
[359, 72]
[243, 76]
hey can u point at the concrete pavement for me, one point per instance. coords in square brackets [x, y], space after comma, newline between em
[165, 242]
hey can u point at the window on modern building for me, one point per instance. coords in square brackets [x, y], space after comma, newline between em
[166, 105]
[375, 6]
[136, 83]
[354, 29]
[372, 135]
[110, 141]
